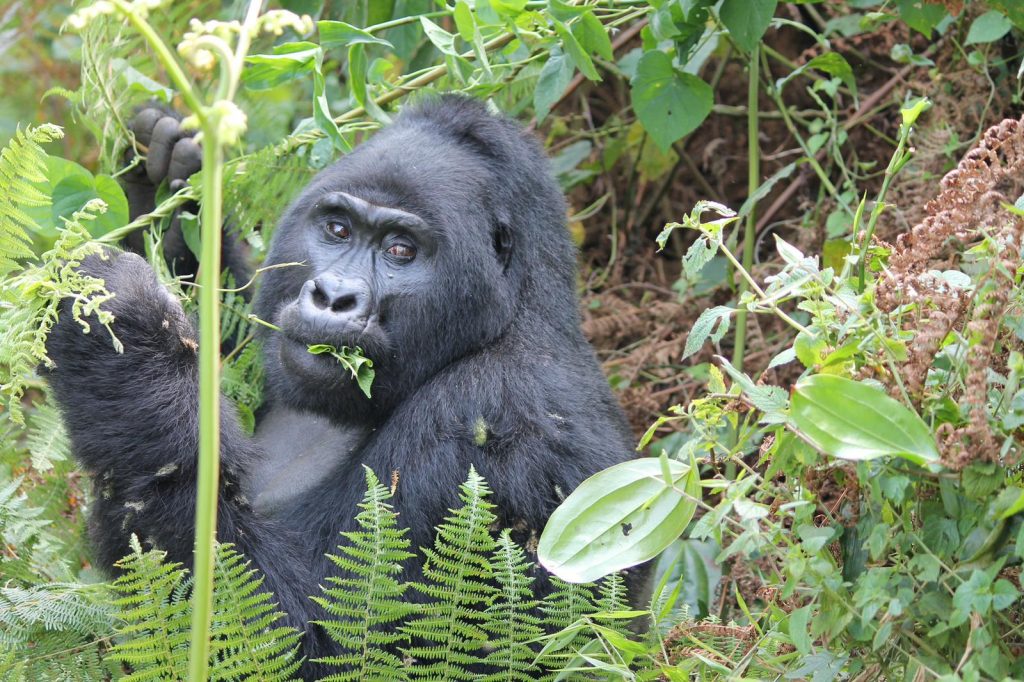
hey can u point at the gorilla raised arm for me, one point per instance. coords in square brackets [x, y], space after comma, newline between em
[440, 248]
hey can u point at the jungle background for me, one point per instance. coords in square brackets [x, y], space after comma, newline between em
[803, 560]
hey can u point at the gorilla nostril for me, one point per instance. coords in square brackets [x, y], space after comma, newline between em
[344, 303]
[318, 296]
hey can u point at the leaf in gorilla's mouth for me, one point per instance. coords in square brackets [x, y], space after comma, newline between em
[351, 359]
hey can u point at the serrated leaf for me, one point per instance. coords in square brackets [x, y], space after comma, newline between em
[851, 420]
[713, 323]
[554, 79]
[619, 517]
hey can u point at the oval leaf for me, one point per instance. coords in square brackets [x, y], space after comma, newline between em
[851, 420]
[670, 103]
[619, 517]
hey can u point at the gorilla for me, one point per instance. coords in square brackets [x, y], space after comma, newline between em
[439, 246]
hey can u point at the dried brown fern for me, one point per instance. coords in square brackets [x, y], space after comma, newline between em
[968, 210]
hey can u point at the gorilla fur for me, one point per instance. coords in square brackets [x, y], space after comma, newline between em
[487, 333]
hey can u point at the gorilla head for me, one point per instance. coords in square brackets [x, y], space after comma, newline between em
[426, 244]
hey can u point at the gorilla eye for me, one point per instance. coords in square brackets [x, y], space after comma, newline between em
[402, 251]
[338, 230]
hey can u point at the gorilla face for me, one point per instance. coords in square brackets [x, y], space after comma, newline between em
[403, 256]
[365, 263]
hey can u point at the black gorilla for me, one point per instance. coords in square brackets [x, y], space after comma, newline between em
[440, 247]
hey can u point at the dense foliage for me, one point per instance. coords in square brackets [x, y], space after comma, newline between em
[840, 498]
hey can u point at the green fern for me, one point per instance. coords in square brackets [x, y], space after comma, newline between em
[153, 604]
[31, 300]
[246, 641]
[51, 628]
[368, 604]
[613, 597]
[47, 439]
[448, 637]
[22, 163]
[511, 622]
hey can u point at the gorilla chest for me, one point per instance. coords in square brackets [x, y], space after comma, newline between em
[300, 451]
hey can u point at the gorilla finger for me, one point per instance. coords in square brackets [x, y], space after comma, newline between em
[165, 134]
[186, 159]
[143, 123]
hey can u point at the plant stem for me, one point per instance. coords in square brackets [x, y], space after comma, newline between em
[898, 160]
[209, 405]
[753, 181]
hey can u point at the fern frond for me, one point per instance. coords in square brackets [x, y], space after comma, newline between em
[458, 581]
[23, 526]
[511, 622]
[26, 613]
[47, 439]
[245, 641]
[275, 178]
[22, 163]
[563, 610]
[30, 302]
[369, 600]
[152, 604]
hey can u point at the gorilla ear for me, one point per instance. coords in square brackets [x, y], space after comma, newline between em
[503, 243]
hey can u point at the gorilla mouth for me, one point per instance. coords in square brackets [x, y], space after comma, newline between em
[297, 335]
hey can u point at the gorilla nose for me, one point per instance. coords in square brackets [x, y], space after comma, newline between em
[333, 300]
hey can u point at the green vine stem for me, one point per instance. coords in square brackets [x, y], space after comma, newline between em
[753, 182]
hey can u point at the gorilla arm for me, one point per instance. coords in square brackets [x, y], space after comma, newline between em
[133, 422]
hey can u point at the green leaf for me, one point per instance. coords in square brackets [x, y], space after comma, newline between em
[798, 633]
[747, 20]
[831, 63]
[71, 186]
[340, 34]
[619, 517]
[289, 61]
[357, 83]
[669, 103]
[988, 28]
[576, 52]
[713, 323]
[442, 39]
[592, 36]
[852, 420]
[351, 359]
[921, 15]
[554, 79]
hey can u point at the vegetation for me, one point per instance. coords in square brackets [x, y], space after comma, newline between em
[823, 349]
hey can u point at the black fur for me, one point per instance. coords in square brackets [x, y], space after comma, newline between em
[488, 330]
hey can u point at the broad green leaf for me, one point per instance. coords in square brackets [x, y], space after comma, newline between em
[340, 34]
[70, 186]
[921, 15]
[988, 28]
[747, 20]
[592, 36]
[619, 517]
[554, 79]
[798, 633]
[669, 103]
[851, 420]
